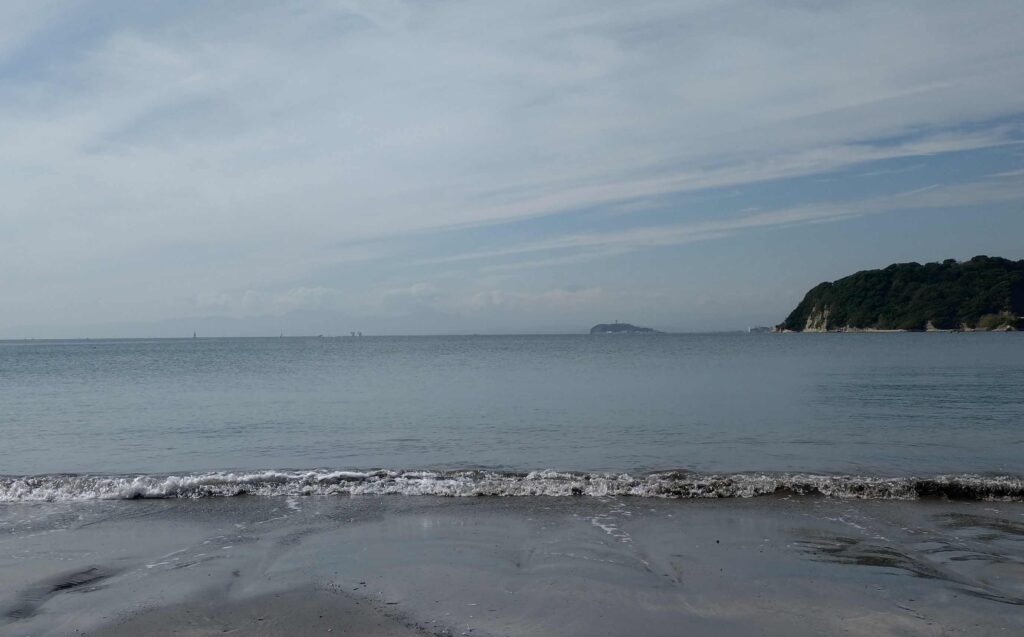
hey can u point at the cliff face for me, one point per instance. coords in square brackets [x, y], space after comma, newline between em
[984, 293]
[817, 320]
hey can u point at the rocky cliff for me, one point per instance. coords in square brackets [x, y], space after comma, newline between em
[985, 293]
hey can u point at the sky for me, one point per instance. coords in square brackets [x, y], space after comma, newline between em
[391, 167]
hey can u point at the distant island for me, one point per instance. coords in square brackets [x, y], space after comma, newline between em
[621, 328]
[985, 293]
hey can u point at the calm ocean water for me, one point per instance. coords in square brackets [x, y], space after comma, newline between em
[851, 404]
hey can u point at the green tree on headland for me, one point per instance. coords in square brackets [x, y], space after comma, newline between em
[983, 293]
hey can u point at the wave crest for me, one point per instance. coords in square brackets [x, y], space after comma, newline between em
[675, 484]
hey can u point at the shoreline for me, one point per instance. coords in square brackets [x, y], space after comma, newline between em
[669, 484]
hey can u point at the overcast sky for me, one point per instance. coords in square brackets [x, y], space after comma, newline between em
[453, 166]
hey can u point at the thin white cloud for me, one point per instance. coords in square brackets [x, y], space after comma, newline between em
[261, 303]
[547, 302]
[211, 149]
[613, 243]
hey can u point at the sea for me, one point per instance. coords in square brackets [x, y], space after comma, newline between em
[866, 416]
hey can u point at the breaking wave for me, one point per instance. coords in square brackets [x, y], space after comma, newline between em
[675, 484]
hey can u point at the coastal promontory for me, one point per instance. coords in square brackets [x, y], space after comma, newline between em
[621, 328]
[984, 293]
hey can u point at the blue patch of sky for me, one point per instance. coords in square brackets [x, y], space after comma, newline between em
[78, 27]
[851, 184]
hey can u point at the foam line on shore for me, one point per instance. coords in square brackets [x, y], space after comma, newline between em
[673, 484]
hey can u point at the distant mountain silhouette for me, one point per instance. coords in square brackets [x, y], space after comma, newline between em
[621, 328]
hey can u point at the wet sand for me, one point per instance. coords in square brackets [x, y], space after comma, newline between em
[296, 612]
[512, 566]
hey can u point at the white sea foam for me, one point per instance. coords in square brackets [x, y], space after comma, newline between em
[63, 487]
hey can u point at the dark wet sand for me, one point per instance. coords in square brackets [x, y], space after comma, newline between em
[297, 612]
[514, 566]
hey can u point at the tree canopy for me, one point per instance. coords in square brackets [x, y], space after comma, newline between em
[985, 292]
